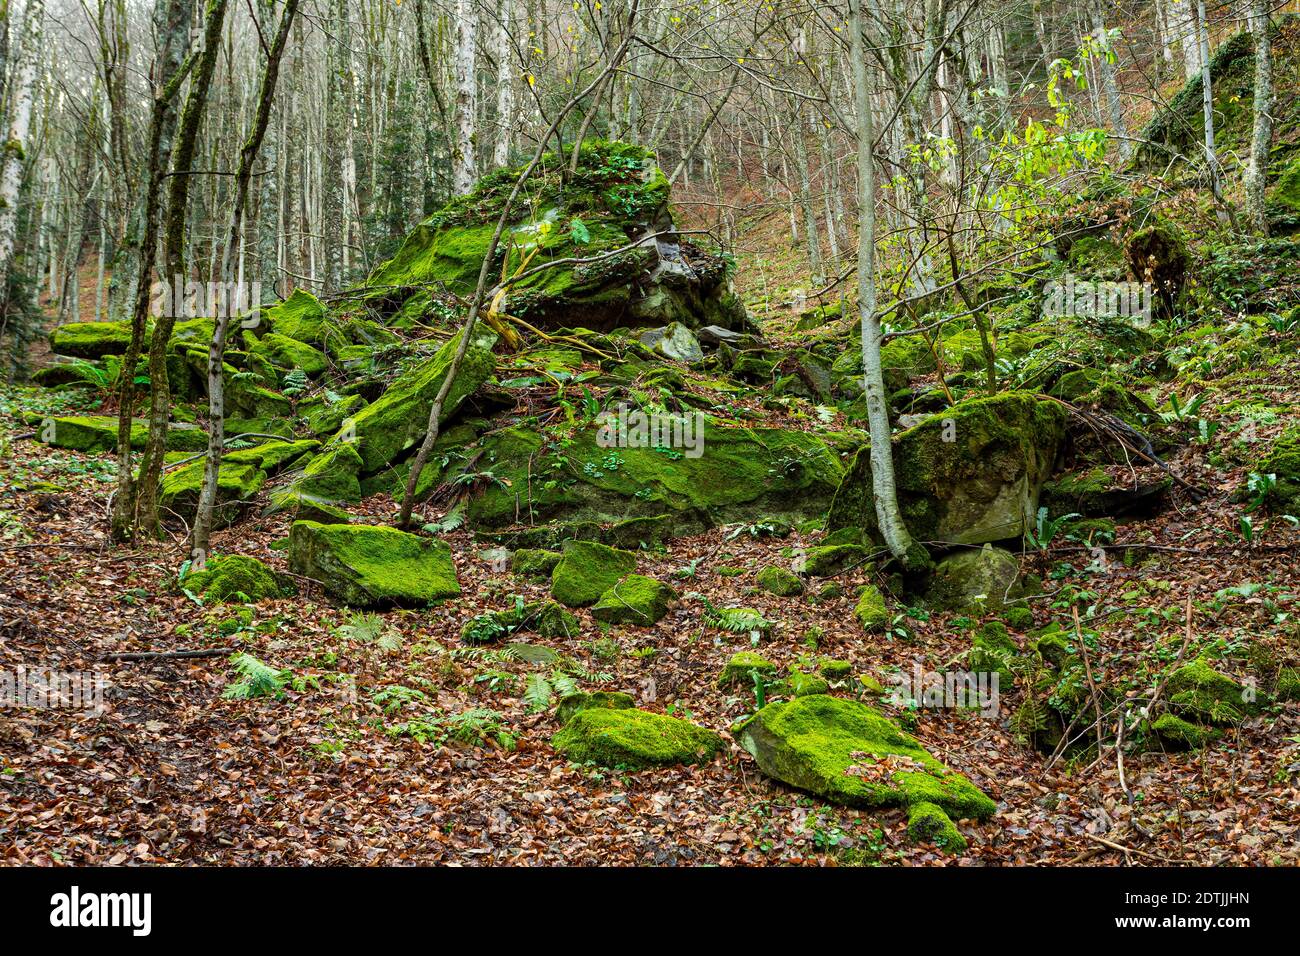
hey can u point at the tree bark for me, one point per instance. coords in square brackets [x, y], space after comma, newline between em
[897, 538]
[1262, 137]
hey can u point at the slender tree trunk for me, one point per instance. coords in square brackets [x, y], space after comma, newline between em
[464, 167]
[505, 86]
[1262, 138]
[1108, 63]
[897, 538]
[234, 242]
[182, 164]
[11, 169]
[171, 26]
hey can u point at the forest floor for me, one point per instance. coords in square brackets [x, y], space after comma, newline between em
[171, 772]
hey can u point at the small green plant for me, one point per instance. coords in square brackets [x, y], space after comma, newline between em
[259, 679]
[1046, 528]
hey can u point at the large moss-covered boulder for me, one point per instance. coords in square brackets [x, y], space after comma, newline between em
[636, 599]
[399, 419]
[618, 196]
[91, 340]
[635, 739]
[332, 476]
[300, 317]
[366, 566]
[284, 352]
[604, 699]
[978, 578]
[587, 570]
[847, 753]
[94, 434]
[968, 475]
[735, 474]
[237, 485]
[236, 578]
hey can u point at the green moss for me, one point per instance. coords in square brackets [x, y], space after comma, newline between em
[1018, 618]
[326, 418]
[237, 484]
[742, 668]
[994, 651]
[587, 570]
[399, 419]
[871, 611]
[1288, 684]
[534, 562]
[91, 340]
[284, 352]
[827, 561]
[975, 580]
[332, 475]
[780, 581]
[635, 739]
[271, 456]
[927, 823]
[968, 475]
[846, 752]
[800, 684]
[634, 600]
[1180, 734]
[1197, 691]
[300, 317]
[743, 472]
[604, 699]
[835, 670]
[545, 618]
[1283, 461]
[235, 578]
[366, 566]
[95, 434]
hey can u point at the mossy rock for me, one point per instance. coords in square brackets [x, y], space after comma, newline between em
[602, 699]
[971, 474]
[1283, 461]
[978, 579]
[326, 417]
[871, 611]
[635, 739]
[777, 473]
[848, 753]
[95, 434]
[741, 670]
[545, 618]
[331, 476]
[300, 317]
[928, 823]
[1178, 734]
[91, 340]
[801, 684]
[272, 456]
[826, 561]
[288, 353]
[367, 566]
[835, 670]
[587, 570]
[399, 419]
[636, 599]
[534, 562]
[994, 651]
[236, 578]
[1018, 617]
[237, 485]
[1198, 692]
[780, 581]
[1288, 684]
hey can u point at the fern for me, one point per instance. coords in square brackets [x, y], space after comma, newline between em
[257, 679]
[539, 693]
[452, 520]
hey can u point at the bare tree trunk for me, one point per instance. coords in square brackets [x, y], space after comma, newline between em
[1207, 100]
[463, 162]
[897, 538]
[171, 25]
[1109, 62]
[1262, 138]
[182, 163]
[11, 172]
[216, 353]
[505, 86]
